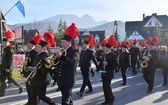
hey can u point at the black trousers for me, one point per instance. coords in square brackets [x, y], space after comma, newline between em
[133, 63]
[40, 91]
[29, 91]
[2, 82]
[149, 78]
[12, 80]
[165, 75]
[123, 73]
[86, 82]
[66, 95]
[108, 94]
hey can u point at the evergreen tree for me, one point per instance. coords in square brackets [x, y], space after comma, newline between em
[60, 31]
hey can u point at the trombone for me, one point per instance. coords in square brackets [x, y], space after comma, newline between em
[32, 74]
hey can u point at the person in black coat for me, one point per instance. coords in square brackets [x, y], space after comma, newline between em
[29, 59]
[40, 80]
[151, 57]
[110, 63]
[66, 70]
[124, 63]
[5, 67]
[163, 64]
[85, 65]
[135, 55]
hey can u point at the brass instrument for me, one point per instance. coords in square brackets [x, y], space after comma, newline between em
[27, 59]
[52, 58]
[32, 74]
[146, 57]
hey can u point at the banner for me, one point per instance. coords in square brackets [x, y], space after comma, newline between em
[19, 32]
[18, 60]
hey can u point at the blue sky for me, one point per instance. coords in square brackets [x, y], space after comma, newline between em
[110, 10]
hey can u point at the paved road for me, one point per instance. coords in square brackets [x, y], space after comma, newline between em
[132, 94]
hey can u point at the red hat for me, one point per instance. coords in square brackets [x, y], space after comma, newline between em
[119, 43]
[37, 38]
[155, 40]
[143, 43]
[49, 37]
[104, 41]
[110, 42]
[98, 45]
[75, 46]
[126, 44]
[71, 32]
[135, 41]
[9, 34]
[149, 40]
[90, 41]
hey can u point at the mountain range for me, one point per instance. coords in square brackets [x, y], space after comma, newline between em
[83, 23]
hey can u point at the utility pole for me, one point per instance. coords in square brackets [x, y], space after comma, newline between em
[115, 30]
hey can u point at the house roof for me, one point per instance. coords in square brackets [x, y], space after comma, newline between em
[138, 26]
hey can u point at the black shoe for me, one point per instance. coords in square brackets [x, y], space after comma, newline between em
[28, 103]
[80, 94]
[92, 73]
[123, 84]
[20, 90]
[149, 91]
[1, 95]
[89, 91]
[108, 103]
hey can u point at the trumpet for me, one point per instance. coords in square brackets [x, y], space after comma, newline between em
[32, 74]
[52, 58]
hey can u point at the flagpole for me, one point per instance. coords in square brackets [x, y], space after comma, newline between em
[11, 9]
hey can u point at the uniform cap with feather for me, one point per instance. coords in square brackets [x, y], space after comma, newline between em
[98, 45]
[135, 41]
[49, 37]
[126, 44]
[110, 42]
[90, 41]
[71, 32]
[9, 35]
[37, 38]
[104, 41]
[143, 43]
[75, 46]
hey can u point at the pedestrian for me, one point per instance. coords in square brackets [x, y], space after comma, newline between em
[124, 63]
[66, 67]
[86, 57]
[29, 59]
[5, 67]
[135, 55]
[40, 79]
[110, 63]
[151, 57]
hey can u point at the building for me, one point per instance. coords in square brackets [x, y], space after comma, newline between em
[148, 27]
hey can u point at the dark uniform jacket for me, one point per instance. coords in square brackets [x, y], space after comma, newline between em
[163, 60]
[43, 69]
[134, 52]
[66, 69]
[6, 61]
[111, 59]
[29, 58]
[85, 60]
[152, 64]
[124, 60]
[99, 54]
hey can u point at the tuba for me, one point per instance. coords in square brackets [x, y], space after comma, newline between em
[32, 74]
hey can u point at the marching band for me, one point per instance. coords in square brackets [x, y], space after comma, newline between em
[38, 65]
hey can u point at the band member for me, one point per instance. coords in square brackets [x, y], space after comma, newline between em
[85, 65]
[29, 58]
[67, 65]
[124, 63]
[135, 55]
[163, 64]
[5, 67]
[41, 71]
[110, 63]
[151, 57]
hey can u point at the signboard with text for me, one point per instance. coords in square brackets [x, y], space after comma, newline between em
[18, 60]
